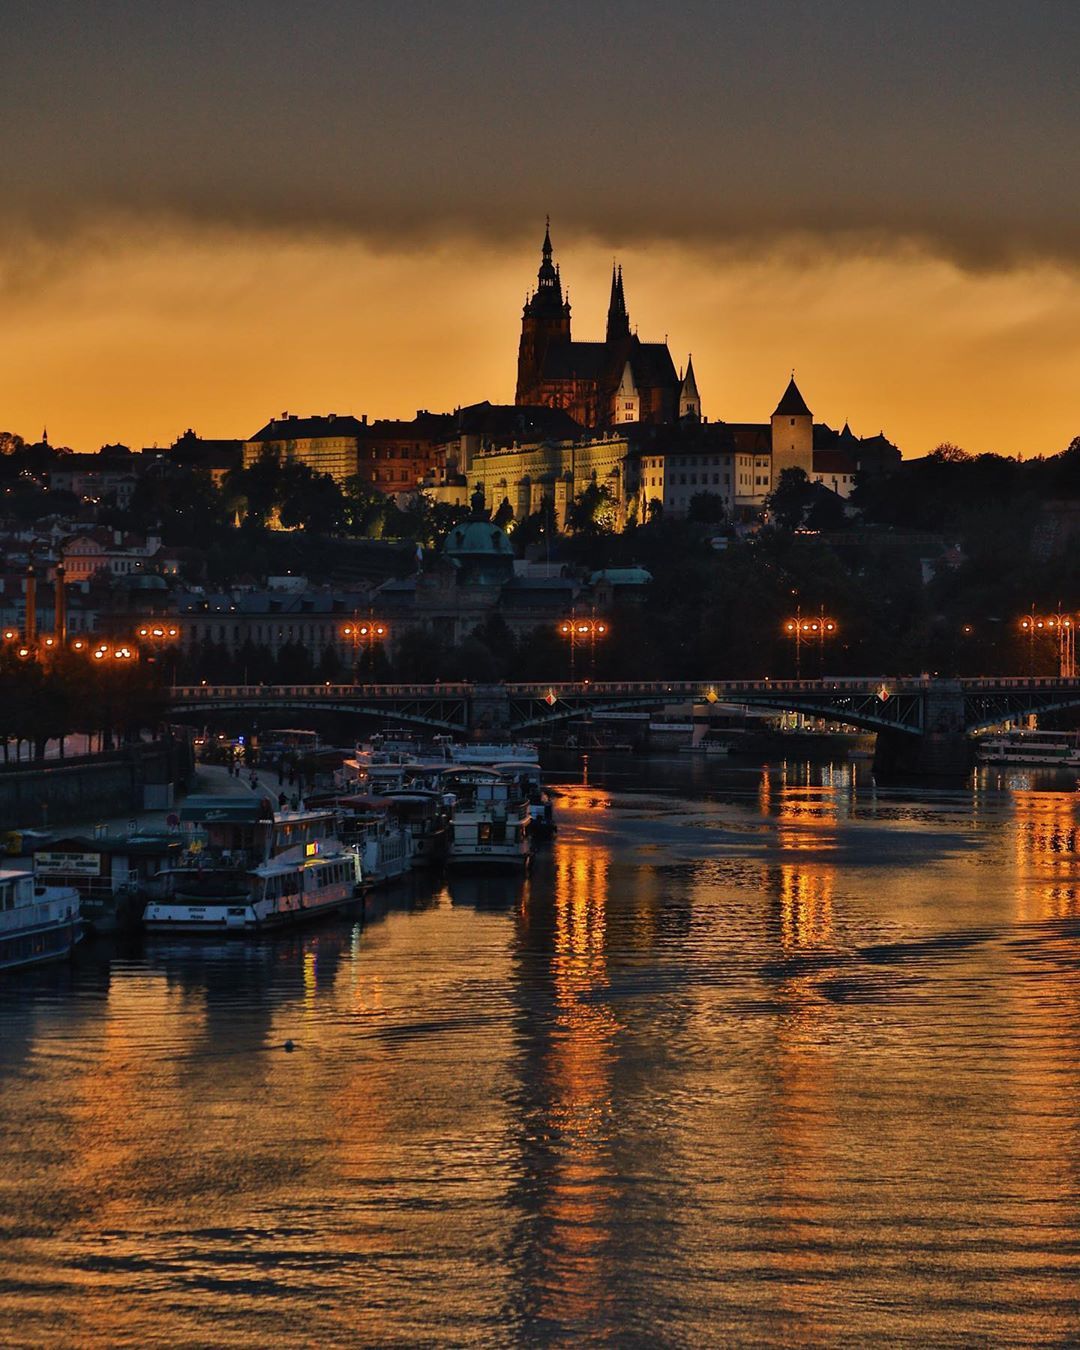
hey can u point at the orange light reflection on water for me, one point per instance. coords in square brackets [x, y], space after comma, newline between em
[579, 1070]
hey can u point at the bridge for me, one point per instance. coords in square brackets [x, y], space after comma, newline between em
[934, 716]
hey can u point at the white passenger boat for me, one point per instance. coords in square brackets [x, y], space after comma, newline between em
[37, 923]
[491, 824]
[1031, 749]
[248, 868]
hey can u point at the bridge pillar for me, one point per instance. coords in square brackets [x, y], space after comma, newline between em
[488, 712]
[943, 750]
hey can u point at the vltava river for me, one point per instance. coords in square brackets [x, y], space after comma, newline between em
[754, 1056]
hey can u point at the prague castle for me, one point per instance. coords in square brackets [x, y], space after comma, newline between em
[614, 413]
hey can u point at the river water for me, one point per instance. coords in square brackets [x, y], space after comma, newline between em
[756, 1055]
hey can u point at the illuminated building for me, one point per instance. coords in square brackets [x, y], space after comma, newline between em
[327, 444]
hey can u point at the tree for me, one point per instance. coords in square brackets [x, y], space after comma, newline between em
[947, 453]
[361, 504]
[254, 491]
[309, 500]
[504, 515]
[537, 528]
[593, 511]
[792, 497]
[706, 508]
[826, 511]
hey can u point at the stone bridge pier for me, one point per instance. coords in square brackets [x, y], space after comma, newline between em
[943, 750]
[489, 712]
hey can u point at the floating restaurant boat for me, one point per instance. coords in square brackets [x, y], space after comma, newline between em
[491, 825]
[248, 868]
[37, 923]
[1031, 749]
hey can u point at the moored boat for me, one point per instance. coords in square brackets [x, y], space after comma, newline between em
[491, 823]
[37, 923]
[249, 868]
[1031, 749]
[425, 814]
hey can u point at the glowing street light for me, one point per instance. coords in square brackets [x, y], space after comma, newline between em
[159, 632]
[365, 633]
[577, 631]
[1061, 627]
[802, 630]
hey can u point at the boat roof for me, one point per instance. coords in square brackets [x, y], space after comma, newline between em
[226, 810]
[303, 814]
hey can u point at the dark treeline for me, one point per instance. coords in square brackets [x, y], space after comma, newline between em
[71, 693]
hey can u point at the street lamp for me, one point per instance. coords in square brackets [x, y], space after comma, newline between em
[365, 632]
[161, 637]
[577, 631]
[801, 630]
[1059, 626]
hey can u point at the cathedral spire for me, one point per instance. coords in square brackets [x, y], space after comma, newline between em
[618, 321]
[548, 280]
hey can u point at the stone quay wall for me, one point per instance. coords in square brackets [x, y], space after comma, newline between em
[56, 792]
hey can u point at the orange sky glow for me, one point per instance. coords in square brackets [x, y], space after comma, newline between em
[134, 333]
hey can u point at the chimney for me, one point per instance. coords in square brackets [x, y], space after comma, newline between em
[60, 617]
[31, 606]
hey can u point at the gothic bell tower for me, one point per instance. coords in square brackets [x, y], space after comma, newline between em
[545, 322]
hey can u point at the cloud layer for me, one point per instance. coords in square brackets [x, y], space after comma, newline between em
[724, 124]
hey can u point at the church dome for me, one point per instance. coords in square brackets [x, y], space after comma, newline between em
[481, 553]
[478, 539]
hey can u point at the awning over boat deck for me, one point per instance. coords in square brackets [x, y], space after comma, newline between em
[226, 810]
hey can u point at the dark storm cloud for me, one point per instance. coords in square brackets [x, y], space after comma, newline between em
[717, 122]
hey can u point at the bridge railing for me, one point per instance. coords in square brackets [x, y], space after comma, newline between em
[563, 689]
[210, 693]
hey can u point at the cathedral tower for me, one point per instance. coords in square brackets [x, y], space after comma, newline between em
[545, 322]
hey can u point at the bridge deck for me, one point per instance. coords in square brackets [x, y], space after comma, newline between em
[909, 705]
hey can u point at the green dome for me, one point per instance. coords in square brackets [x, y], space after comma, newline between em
[478, 539]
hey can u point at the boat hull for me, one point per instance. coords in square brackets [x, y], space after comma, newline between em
[491, 858]
[39, 945]
[175, 917]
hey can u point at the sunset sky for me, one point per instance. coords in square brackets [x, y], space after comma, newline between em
[216, 212]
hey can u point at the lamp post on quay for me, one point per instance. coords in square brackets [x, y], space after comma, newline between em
[1059, 626]
[801, 631]
[366, 633]
[161, 637]
[578, 631]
